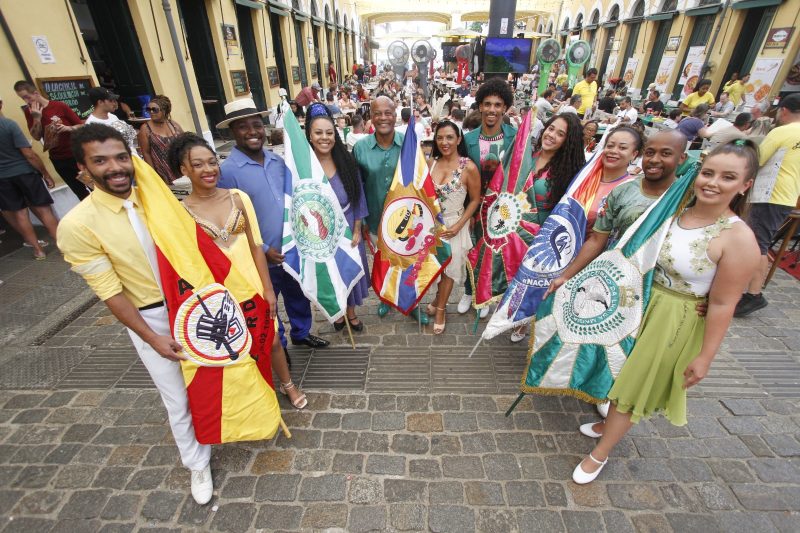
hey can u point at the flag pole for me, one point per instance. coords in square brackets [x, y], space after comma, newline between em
[476, 346]
[349, 331]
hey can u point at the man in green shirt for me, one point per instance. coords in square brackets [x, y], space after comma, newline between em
[377, 156]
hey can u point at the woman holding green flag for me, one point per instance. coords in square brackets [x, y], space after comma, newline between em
[342, 172]
[708, 252]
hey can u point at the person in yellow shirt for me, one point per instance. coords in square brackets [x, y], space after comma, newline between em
[106, 241]
[766, 217]
[587, 90]
[736, 88]
[701, 96]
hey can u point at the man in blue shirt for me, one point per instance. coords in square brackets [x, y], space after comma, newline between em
[261, 174]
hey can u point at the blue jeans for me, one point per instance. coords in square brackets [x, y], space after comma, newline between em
[297, 305]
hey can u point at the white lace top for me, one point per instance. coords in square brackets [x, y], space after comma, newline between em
[683, 264]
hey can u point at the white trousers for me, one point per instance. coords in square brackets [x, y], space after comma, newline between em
[168, 379]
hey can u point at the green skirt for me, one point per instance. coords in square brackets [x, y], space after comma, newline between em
[670, 337]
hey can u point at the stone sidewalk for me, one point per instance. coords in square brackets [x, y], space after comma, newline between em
[404, 434]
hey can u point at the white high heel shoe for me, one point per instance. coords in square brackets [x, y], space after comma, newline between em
[581, 477]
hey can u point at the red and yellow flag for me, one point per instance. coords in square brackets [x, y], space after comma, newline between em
[219, 318]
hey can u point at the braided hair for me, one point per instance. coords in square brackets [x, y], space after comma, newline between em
[180, 147]
[568, 159]
[344, 161]
[164, 103]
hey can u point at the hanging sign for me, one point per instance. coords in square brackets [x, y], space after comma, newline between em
[691, 69]
[792, 83]
[762, 78]
[778, 37]
[664, 70]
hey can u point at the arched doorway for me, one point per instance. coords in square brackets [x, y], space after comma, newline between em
[280, 53]
[315, 29]
[635, 24]
[664, 26]
[591, 35]
[329, 28]
[611, 32]
[300, 44]
[337, 24]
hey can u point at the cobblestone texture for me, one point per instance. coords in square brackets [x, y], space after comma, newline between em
[103, 459]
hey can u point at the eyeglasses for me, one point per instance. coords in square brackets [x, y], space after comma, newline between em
[152, 109]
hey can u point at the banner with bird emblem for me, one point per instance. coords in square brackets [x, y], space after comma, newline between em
[585, 331]
[410, 254]
[552, 249]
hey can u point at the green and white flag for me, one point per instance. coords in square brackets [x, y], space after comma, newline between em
[586, 330]
[316, 237]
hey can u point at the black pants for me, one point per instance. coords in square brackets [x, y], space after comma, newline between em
[68, 170]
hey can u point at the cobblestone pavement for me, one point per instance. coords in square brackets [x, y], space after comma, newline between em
[403, 434]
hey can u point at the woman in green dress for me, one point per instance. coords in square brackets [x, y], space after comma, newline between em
[708, 252]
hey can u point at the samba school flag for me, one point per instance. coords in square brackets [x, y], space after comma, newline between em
[316, 237]
[558, 241]
[220, 319]
[507, 222]
[410, 255]
[586, 330]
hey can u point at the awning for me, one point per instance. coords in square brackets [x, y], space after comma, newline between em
[610, 24]
[316, 21]
[752, 4]
[633, 20]
[250, 3]
[564, 32]
[703, 10]
[590, 27]
[374, 45]
[666, 15]
[278, 8]
[300, 15]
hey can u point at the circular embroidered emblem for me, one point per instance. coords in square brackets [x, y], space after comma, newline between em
[405, 225]
[211, 327]
[602, 304]
[553, 249]
[316, 224]
[504, 215]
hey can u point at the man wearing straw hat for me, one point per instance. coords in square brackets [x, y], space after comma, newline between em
[262, 174]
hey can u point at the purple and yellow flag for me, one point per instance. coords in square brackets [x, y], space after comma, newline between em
[410, 254]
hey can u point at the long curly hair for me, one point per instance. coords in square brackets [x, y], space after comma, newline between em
[344, 161]
[569, 159]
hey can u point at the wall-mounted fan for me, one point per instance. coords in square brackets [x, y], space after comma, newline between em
[578, 54]
[398, 57]
[546, 55]
[463, 55]
[422, 53]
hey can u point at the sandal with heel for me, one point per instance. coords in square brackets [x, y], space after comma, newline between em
[300, 402]
[438, 329]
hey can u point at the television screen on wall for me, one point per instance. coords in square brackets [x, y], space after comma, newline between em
[504, 55]
[449, 52]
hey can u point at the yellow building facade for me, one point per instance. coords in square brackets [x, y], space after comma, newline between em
[230, 48]
[673, 43]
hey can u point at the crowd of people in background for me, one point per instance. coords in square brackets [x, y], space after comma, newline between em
[356, 127]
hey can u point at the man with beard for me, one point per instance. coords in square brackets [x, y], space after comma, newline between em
[106, 241]
[377, 156]
[487, 144]
[261, 174]
[661, 157]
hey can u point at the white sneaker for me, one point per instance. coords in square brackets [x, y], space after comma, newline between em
[602, 408]
[484, 311]
[464, 304]
[43, 244]
[202, 485]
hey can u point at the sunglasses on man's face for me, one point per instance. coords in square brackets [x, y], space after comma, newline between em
[152, 109]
